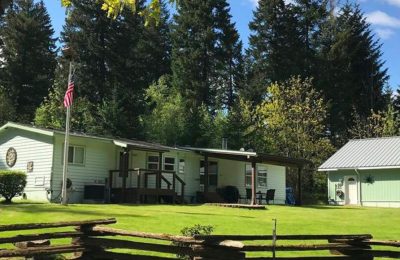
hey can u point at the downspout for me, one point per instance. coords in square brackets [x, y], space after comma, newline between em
[359, 187]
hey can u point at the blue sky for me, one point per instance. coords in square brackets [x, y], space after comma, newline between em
[384, 16]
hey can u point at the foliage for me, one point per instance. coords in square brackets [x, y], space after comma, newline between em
[114, 7]
[7, 109]
[165, 123]
[12, 183]
[27, 59]
[377, 124]
[293, 117]
[191, 232]
[348, 42]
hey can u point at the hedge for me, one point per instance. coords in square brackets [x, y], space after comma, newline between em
[12, 183]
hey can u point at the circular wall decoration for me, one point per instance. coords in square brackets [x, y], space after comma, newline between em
[11, 157]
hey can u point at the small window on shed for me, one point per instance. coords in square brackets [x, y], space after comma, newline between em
[76, 155]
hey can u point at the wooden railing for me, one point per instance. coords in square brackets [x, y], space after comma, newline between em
[91, 241]
[145, 173]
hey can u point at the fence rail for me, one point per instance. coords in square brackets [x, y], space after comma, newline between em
[92, 240]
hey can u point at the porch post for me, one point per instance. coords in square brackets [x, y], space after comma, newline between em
[159, 170]
[299, 191]
[206, 173]
[253, 183]
[124, 165]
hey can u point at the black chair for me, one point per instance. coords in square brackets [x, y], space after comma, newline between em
[247, 197]
[270, 196]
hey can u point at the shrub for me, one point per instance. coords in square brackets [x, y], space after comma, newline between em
[191, 232]
[12, 183]
[230, 194]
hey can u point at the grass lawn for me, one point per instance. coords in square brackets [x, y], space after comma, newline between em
[382, 223]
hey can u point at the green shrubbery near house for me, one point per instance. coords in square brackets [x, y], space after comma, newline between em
[12, 183]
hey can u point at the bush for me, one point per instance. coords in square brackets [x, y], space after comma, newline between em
[191, 232]
[230, 194]
[12, 183]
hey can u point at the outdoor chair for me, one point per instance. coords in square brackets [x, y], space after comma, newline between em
[270, 196]
[247, 198]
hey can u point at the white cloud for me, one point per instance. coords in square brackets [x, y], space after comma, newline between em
[394, 2]
[384, 33]
[383, 19]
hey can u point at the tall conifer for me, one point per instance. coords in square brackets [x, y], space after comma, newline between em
[28, 56]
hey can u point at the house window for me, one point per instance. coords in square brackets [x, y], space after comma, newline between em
[212, 173]
[262, 177]
[152, 162]
[76, 155]
[181, 166]
[247, 174]
[169, 164]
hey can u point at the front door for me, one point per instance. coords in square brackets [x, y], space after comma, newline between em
[351, 190]
[212, 176]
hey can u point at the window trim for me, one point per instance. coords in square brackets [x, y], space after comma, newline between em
[74, 163]
[148, 162]
[263, 168]
[247, 185]
[169, 164]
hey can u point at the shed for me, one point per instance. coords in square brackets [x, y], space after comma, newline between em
[365, 172]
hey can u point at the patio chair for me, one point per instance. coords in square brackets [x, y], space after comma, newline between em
[270, 196]
[247, 198]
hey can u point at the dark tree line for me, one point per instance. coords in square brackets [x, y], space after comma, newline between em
[203, 67]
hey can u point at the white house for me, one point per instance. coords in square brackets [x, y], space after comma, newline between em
[119, 170]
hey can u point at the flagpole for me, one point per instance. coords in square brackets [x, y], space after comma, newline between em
[64, 193]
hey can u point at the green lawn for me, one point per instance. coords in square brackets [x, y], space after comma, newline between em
[382, 223]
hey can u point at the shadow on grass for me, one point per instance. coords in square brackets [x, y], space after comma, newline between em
[332, 207]
[208, 214]
[38, 208]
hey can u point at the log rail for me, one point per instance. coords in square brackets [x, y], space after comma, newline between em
[92, 240]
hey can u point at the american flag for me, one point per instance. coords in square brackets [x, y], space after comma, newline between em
[69, 95]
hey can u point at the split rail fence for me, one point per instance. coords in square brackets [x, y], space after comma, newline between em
[93, 240]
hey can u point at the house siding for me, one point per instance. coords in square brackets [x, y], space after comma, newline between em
[383, 192]
[30, 147]
[99, 160]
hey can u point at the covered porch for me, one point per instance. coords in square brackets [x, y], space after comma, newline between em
[143, 185]
[254, 166]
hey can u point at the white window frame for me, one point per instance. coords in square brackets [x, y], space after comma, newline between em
[247, 175]
[169, 164]
[265, 177]
[153, 163]
[73, 155]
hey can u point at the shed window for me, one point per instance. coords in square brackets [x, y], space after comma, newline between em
[76, 154]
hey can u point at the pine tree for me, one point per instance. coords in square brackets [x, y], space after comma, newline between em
[349, 43]
[193, 53]
[206, 62]
[115, 62]
[229, 67]
[274, 51]
[28, 56]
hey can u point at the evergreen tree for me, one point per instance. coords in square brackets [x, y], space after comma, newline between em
[349, 43]
[274, 52]
[206, 62]
[193, 53]
[115, 61]
[229, 67]
[28, 58]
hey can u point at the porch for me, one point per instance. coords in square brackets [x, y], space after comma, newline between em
[138, 186]
[250, 181]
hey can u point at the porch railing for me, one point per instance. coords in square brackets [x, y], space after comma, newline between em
[145, 173]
